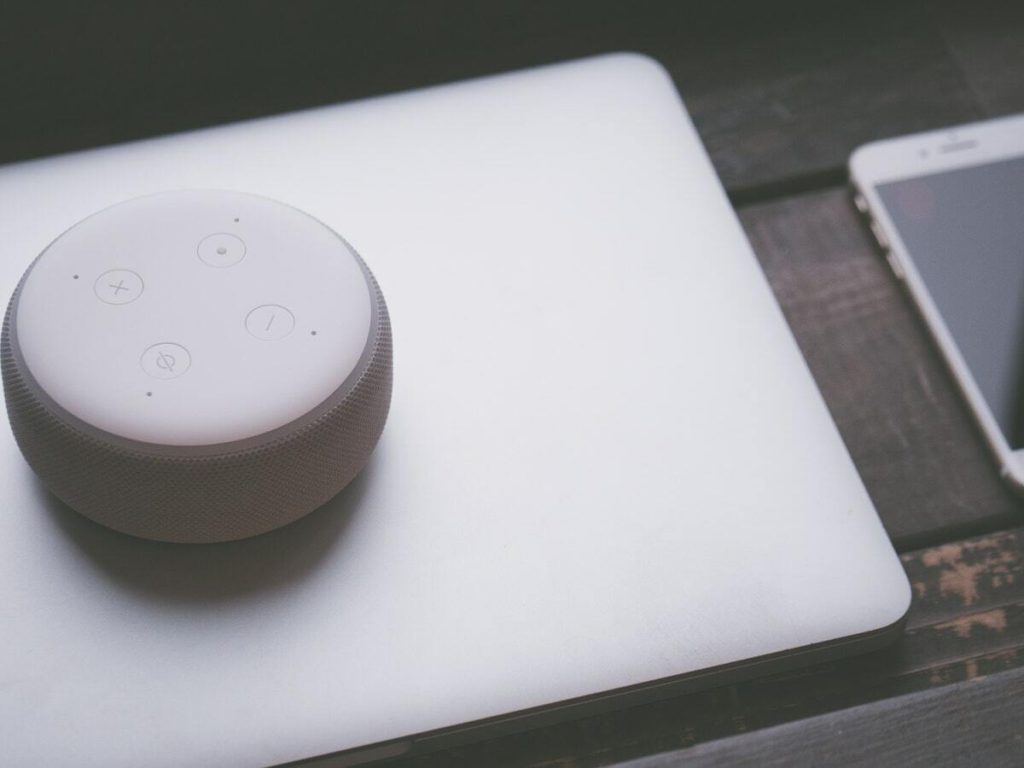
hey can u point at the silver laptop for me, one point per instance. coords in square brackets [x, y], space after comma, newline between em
[607, 475]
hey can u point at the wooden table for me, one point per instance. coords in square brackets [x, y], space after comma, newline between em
[781, 96]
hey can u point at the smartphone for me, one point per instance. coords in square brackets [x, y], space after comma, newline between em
[947, 209]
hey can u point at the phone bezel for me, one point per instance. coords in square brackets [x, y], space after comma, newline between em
[917, 155]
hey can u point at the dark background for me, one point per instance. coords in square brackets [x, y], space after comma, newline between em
[76, 75]
[781, 93]
[81, 74]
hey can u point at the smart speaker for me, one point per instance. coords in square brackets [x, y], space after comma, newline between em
[197, 366]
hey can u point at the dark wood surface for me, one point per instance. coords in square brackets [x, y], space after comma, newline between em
[781, 93]
[907, 428]
[970, 723]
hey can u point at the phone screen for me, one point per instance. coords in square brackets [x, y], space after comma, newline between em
[964, 231]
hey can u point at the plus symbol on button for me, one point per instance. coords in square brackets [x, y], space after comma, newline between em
[119, 287]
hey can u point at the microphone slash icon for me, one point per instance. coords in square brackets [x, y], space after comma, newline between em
[166, 362]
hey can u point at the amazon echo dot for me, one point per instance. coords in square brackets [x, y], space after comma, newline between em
[197, 366]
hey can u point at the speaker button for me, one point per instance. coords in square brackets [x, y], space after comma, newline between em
[221, 250]
[270, 322]
[118, 286]
[166, 360]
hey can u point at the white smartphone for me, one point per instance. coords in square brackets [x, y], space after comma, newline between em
[947, 208]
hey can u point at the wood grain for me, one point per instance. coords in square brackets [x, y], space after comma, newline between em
[966, 622]
[968, 724]
[907, 428]
[781, 110]
[988, 49]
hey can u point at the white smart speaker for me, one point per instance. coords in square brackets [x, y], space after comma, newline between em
[197, 366]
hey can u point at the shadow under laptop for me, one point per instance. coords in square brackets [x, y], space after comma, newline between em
[210, 573]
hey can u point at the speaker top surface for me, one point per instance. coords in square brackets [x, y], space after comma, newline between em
[194, 318]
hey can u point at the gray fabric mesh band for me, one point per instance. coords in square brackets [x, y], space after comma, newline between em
[202, 495]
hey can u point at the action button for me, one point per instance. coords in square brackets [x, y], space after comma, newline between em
[270, 322]
[221, 250]
[165, 360]
[118, 286]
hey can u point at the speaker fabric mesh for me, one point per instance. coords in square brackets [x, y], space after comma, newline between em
[207, 493]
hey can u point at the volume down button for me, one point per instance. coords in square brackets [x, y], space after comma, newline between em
[880, 235]
[894, 263]
[883, 241]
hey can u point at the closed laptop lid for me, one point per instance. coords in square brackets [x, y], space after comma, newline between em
[606, 461]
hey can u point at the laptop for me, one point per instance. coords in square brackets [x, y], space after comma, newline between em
[607, 475]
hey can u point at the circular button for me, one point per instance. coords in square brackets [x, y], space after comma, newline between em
[270, 322]
[221, 250]
[165, 360]
[118, 286]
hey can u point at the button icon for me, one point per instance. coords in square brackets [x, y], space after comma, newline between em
[221, 250]
[118, 286]
[270, 322]
[165, 360]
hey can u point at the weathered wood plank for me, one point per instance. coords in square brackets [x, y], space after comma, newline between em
[787, 105]
[968, 724]
[966, 622]
[979, 574]
[907, 428]
[988, 48]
